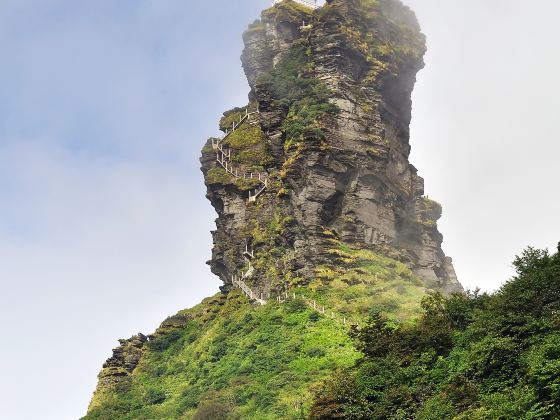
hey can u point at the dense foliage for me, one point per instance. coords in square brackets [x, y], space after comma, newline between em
[304, 98]
[473, 356]
[228, 359]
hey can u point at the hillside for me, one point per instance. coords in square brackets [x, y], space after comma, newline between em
[259, 362]
[322, 221]
[472, 356]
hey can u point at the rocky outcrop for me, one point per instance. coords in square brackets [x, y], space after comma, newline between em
[125, 358]
[333, 88]
[117, 369]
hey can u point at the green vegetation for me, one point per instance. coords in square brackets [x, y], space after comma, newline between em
[305, 99]
[218, 175]
[472, 356]
[363, 280]
[272, 257]
[246, 184]
[418, 355]
[256, 26]
[228, 359]
[231, 360]
[430, 212]
[386, 51]
[288, 11]
[250, 153]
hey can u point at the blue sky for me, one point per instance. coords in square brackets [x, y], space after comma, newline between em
[104, 107]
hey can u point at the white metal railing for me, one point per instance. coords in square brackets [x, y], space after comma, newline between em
[223, 157]
[284, 297]
[239, 282]
[217, 142]
[253, 195]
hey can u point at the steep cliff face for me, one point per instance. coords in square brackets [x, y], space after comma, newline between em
[332, 88]
[317, 206]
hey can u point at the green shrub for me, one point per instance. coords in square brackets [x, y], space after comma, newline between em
[213, 410]
[154, 396]
[315, 352]
[189, 399]
[314, 317]
[467, 356]
[162, 343]
[305, 99]
[295, 306]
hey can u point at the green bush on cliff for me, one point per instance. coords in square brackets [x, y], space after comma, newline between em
[258, 362]
[468, 356]
[305, 99]
[249, 152]
[217, 175]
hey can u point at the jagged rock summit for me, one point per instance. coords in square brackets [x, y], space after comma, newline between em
[321, 163]
[321, 219]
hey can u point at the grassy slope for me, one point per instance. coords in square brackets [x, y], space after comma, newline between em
[258, 362]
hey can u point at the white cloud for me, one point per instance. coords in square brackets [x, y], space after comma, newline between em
[483, 132]
[116, 245]
[104, 106]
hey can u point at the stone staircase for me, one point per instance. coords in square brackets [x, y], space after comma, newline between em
[223, 157]
[240, 283]
[259, 298]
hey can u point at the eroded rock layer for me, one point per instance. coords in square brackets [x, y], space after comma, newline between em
[333, 90]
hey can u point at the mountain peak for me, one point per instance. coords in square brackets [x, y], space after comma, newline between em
[318, 158]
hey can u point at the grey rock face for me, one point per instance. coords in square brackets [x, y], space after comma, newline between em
[124, 360]
[357, 182]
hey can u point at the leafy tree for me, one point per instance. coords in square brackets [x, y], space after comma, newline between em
[468, 356]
